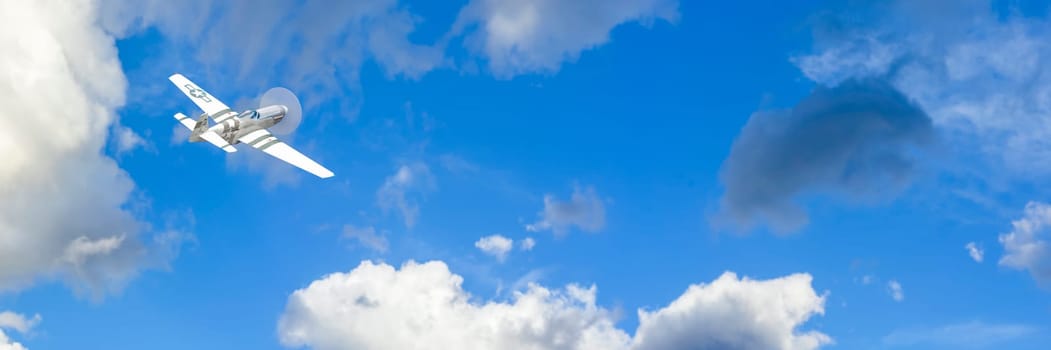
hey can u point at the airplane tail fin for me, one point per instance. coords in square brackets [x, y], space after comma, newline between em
[199, 128]
[199, 132]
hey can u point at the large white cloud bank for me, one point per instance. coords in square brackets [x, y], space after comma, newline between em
[64, 205]
[423, 306]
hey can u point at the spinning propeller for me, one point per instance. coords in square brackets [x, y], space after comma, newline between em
[284, 97]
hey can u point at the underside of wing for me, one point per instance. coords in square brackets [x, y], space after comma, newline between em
[265, 141]
[208, 103]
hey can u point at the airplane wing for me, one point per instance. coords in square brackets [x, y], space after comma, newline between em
[264, 141]
[209, 136]
[208, 103]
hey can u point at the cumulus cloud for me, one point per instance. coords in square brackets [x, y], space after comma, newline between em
[986, 86]
[853, 139]
[527, 244]
[895, 290]
[525, 36]
[401, 191]
[495, 245]
[968, 335]
[1027, 246]
[376, 306]
[736, 313]
[63, 204]
[367, 237]
[976, 252]
[583, 210]
[17, 322]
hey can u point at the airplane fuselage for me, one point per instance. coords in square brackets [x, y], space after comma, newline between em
[248, 121]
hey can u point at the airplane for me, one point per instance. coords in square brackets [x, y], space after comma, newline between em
[249, 127]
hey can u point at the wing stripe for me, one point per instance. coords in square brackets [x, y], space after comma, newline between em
[260, 143]
[254, 135]
[223, 115]
[259, 139]
[268, 144]
[271, 145]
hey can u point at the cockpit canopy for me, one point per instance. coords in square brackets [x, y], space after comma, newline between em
[249, 114]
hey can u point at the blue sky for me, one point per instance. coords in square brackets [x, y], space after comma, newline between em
[837, 157]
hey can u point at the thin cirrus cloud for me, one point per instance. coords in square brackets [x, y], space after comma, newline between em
[367, 237]
[376, 300]
[403, 190]
[983, 87]
[966, 335]
[511, 37]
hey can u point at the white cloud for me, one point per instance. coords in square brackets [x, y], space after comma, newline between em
[323, 45]
[400, 189]
[867, 279]
[127, 140]
[495, 245]
[733, 313]
[367, 236]
[1026, 247]
[17, 322]
[59, 191]
[527, 244]
[583, 210]
[376, 306]
[969, 335]
[526, 36]
[976, 252]
[894, 288]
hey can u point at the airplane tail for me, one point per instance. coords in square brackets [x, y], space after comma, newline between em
[199, 128]
[199, 132]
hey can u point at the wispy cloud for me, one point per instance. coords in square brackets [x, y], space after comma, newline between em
[584, 210]
[401, 191]
[527, 244]
[17, 322]
[975, 251]
[969, 335]
[895, 290]
[367, 236]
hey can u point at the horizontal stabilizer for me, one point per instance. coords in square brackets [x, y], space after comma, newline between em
[209, 136]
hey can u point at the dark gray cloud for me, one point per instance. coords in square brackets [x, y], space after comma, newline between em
[853, 139]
